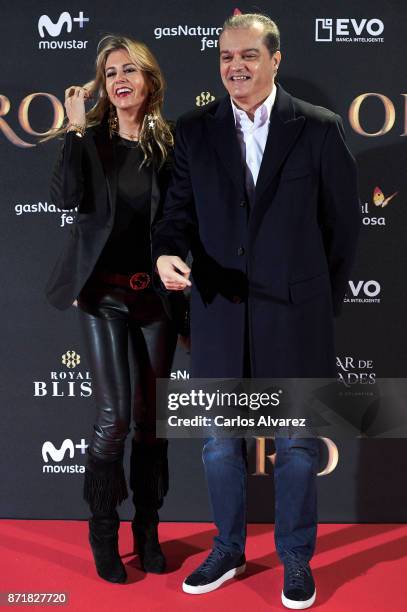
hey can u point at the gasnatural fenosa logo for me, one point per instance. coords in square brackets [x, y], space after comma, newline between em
[379, 201]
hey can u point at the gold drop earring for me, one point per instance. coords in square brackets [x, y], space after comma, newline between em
[113, 121]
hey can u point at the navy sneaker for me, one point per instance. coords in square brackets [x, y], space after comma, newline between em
[218, 567]
[299, 588]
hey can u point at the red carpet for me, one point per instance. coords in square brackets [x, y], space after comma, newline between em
[356, 567]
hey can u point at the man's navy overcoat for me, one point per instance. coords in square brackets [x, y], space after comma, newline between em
[268, 275]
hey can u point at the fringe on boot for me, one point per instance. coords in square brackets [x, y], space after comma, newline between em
[104, 486]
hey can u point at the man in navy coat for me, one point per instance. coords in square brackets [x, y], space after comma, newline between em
[264, 196]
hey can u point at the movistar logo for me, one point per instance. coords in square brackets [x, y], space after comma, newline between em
[49, 450]
[55, 28]
[57, 454]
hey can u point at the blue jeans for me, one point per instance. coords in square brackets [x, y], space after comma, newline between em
[295, 474]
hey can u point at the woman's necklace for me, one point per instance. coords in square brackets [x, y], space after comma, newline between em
[134, 136]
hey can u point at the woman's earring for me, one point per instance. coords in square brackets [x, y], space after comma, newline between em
[113, 120]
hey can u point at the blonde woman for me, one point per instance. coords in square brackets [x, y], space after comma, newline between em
[115, 166]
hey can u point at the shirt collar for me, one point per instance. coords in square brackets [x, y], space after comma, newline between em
[261, 115]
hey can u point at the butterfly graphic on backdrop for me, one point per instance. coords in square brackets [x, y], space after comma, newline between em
[379, 198]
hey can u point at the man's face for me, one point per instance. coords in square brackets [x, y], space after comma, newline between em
[246, 67]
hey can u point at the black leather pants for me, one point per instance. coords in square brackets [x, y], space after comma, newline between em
[113, 321]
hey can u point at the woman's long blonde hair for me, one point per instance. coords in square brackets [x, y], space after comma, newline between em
[155, 132]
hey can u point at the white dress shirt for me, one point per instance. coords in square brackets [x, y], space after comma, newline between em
[252, 137]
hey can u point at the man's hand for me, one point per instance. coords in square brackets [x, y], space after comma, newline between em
[174, 273]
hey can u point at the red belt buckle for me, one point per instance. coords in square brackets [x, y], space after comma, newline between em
[139, 281]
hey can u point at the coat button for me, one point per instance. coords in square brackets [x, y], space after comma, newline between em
[240, 251]
[236, 299]
[243, 203]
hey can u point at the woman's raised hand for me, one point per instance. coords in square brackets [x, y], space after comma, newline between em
[75, 104]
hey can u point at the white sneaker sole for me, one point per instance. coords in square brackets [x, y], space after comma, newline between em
[298, 605]
[207, 588]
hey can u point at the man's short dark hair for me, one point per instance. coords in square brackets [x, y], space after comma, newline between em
[271, 32]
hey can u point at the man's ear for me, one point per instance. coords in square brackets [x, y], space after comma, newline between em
[276, 59]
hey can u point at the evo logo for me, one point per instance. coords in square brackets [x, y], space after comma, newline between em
[349, 30]
[364, 292]
[54, 29]
[57, 455]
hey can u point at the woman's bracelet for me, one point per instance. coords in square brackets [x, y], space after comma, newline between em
[77, 128]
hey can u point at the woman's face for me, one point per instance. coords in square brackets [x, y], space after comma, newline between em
[126, 84]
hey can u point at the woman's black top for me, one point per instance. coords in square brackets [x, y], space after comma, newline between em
[127, 249]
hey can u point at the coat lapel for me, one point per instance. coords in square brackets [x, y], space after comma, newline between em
[107, 152]
[222, 133]
[155, 192]
[284, 130]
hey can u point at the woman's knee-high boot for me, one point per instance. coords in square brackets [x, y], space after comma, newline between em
[105, 488]
[149, 482]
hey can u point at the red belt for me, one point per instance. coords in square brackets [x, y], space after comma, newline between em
[137, 281]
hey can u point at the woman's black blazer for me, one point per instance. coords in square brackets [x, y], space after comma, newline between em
[85, 176]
